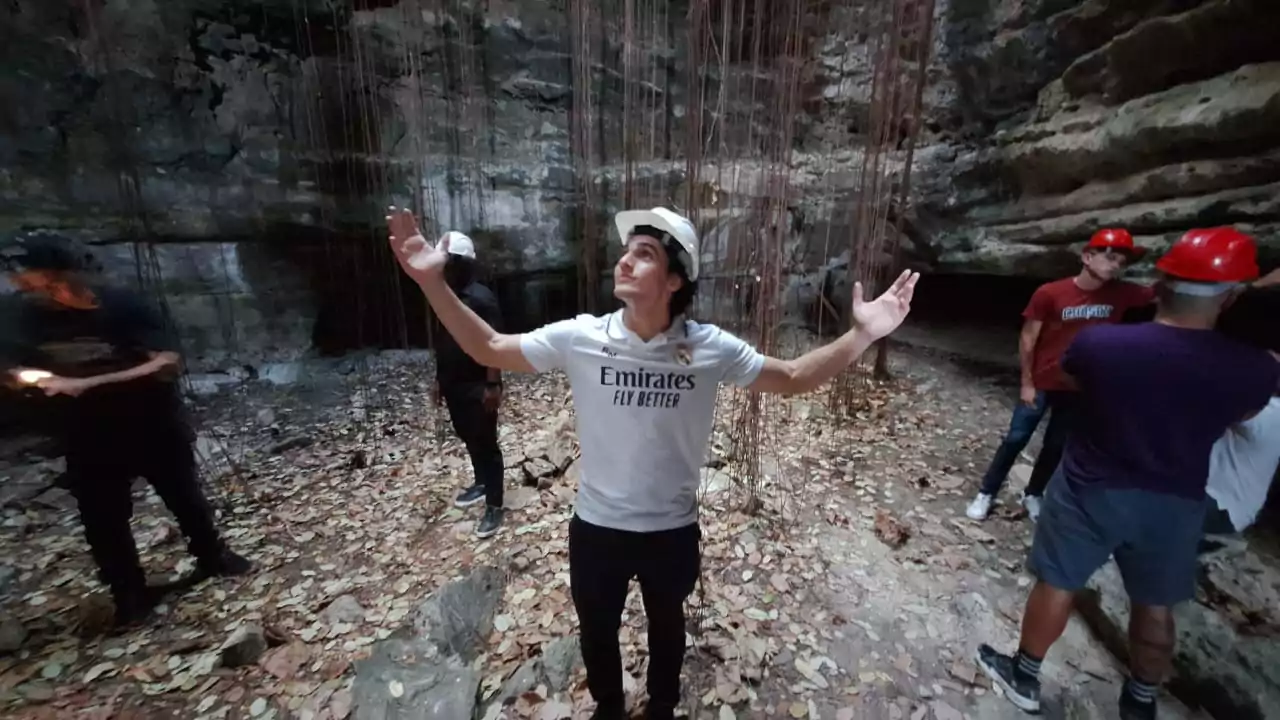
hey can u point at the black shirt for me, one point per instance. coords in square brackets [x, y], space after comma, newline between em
[452, 364]
[120, 333]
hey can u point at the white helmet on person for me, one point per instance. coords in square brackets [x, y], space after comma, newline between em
[676, 229]
[460, 245]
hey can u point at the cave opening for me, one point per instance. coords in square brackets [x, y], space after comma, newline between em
[363, 301]
[974, 317]
[973, 299]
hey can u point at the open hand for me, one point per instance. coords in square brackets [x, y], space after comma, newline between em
[884, 314]
[56, 385]
[418, 258]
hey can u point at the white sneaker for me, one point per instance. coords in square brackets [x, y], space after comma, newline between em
[980, 507]
[1032, 503]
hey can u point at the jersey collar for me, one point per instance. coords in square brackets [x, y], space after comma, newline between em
[618, 331]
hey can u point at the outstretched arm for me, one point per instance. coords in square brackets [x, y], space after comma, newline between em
[871, 321]
[807, 372]
[424, 263]
[165, 363]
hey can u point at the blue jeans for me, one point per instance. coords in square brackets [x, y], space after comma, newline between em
[1021, 427]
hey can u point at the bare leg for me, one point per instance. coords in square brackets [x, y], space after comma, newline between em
[1046, 616]
[1151, 643]
[1043, 621]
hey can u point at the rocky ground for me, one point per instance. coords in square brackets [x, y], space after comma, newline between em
[841, 580]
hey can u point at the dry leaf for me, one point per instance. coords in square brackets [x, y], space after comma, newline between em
[284, 661]
[555, 710]
[948, 482]
[98, 671]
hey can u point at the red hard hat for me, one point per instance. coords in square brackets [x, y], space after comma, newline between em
[1115, 239]
[1221, 254]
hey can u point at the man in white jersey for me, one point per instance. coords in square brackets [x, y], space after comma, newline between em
[1241, 469]
[644, 385]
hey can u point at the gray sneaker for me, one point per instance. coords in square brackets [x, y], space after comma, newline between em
[490, 523]
[471, 496]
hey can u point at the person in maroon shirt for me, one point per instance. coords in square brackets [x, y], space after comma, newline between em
[1056, 312]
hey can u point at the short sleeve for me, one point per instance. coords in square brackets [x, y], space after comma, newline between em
[547, 348]
[740, 363]
[1040, 307]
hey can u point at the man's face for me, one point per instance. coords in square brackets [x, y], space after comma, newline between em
[1105, 264]
[56, 286]
[641, 275]
[36, 281]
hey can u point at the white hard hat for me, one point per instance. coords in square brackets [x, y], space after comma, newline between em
[460, 245]
[677, 226]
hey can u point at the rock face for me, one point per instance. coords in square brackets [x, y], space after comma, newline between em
[256, 143]
[424, 671]
[1167, 123]
[1226, 654]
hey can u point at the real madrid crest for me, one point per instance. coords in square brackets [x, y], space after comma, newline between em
[683, 355]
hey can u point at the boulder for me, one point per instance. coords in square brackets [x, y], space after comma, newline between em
[423, 672]
[459, 618]
[404, 679]
[554, 669]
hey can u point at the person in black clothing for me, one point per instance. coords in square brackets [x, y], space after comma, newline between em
[100, 354]
[472, 392]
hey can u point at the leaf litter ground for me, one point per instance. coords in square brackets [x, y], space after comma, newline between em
[855, 589]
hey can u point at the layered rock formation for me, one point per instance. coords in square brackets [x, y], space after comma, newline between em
[1155, 114]
[258, 141]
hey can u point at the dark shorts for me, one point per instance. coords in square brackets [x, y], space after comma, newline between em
[1153, 536]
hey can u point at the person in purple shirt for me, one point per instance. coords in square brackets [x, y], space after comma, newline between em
[1154, 399]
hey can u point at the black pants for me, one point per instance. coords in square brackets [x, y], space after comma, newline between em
[100, 476]
[477, 428]
[602, 563]
[1061, 408]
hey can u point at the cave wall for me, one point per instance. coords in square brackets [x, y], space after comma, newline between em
[230, 133]
[1156, 115]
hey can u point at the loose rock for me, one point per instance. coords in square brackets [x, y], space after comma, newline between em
[244, 647]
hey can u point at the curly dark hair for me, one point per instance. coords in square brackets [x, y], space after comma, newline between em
[47, 250]
[682, 298]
